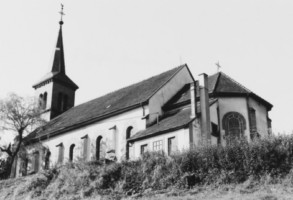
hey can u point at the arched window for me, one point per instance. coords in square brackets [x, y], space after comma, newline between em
[98, 147]
[45, 100]
[128, 135]
[71, 149]
[36, 161]
[128, 132]
[24, 167]
[234, 125]
[47, 159]
[252, 117]
[41, 101]
[60, 153]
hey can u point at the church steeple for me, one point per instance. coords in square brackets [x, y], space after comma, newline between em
[58, 62]
[56, 91]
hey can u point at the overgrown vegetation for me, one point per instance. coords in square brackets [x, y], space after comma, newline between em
[4, 171]
[18, 116]
[216, 166]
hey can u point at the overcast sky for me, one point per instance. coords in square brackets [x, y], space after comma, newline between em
[112, 44]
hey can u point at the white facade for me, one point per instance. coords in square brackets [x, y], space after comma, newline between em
[181, 140]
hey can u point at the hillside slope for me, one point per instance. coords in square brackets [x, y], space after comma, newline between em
[259, 170]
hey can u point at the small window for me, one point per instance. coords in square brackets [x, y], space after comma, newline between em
[36, 161]
[47, 159]
[45, 100]
[60, 153]
[41, 101]
[252, 116]
[71, 152]
[171, 145]
[98, 147]
[143, 148]
[215, 130]
[128, 135]
[158, 145]
[85, 147]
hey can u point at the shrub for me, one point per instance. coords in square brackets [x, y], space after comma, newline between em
[4, 171]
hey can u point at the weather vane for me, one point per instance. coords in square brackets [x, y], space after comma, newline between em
[218, 66]
[61, 13]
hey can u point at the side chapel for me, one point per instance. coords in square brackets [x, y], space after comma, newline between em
[169, 112]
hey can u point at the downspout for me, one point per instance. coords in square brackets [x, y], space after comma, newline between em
[219, 124]
[205, 110]
[249, 119]
[193, 114]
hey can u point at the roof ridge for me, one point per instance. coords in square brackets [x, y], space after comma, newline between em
[217, 81]
[178, 69]
[234, 81]
[131, 85]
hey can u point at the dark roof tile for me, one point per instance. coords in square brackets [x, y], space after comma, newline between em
[173, 121]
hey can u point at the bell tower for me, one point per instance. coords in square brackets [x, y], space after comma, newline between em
[56, 91]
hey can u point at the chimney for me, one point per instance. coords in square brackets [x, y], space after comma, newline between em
[205, 109]
[193, 87]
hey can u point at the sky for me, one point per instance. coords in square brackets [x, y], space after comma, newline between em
[112, 44]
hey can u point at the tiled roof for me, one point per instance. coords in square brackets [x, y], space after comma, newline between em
[176, 120]
[172, 120]
[218, 84]
[112, 103]
[224, 83]
[59, 77]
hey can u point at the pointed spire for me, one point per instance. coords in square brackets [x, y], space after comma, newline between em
[58, 62]
[57, 72]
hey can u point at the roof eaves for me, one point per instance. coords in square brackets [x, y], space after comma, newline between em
[84, 123]
[267, 104]
[70, 84]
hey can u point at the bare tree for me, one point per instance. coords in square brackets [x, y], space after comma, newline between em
[18, 116]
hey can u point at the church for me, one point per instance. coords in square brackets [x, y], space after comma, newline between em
[169, 112]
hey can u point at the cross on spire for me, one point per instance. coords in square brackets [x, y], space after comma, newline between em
[61, 13]
[218, 66]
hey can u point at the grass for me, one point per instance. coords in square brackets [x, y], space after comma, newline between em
[258, 170]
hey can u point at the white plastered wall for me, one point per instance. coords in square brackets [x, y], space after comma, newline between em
[122, 122]
[181, 142]
[165, 93]
[261, 117]
[41, 90]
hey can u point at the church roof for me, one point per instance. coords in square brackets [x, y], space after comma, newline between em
[57, 72]
[172, 120]
[175, 120]
[106, 106]
[219, 84]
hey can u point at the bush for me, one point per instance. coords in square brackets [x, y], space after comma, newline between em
[210, 165]
[4, 171]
